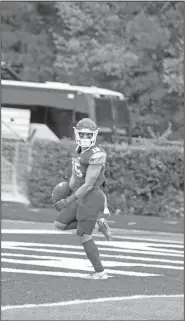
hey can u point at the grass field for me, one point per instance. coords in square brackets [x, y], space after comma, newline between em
[43, 275]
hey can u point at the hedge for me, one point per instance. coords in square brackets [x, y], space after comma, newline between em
[140, 180]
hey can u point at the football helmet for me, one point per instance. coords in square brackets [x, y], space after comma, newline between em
[86, 132]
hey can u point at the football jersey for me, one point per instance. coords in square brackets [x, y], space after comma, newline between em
[94, 155]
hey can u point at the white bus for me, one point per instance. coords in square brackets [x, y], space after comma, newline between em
[61, 105]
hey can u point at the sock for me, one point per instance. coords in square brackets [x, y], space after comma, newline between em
[71, 226]
[96, 226]
[92, 253]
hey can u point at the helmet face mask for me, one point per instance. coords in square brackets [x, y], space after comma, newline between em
[85, 133]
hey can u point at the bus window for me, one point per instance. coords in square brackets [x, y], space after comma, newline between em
[103, 113]
[123, 116]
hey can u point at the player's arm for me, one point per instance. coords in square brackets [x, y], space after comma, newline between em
[96, 162]
[93, 171]
[72, 181]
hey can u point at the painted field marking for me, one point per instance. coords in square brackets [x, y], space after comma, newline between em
[59, 260]
[23, 231]
[12, 222]
[138, 246]
[80, 264]
[80, 253]
[77, 265]
[117, 230]
[148, 232]
[76, 274]
[158, 242]
[99, 300]
[112, 246]
[52, 231]
[38, 272]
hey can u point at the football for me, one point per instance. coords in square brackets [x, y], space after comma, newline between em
[60, 191]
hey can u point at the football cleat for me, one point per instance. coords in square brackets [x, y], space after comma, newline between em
[97, 276]
[104, 228]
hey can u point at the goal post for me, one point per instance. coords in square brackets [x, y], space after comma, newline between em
[15, 164]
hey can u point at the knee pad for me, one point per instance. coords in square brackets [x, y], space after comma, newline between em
[59, 226]
[85, 237]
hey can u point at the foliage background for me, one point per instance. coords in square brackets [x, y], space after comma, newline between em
[132, 47]
[140, 181]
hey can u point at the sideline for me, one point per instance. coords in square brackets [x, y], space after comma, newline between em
[99, 300]
[121, 231]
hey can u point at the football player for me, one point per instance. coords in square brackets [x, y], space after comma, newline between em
[81, 209]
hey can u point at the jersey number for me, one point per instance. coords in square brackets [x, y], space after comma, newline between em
[76, 169]
[96, 149]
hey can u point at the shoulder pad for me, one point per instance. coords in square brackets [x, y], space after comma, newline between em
[98, 158]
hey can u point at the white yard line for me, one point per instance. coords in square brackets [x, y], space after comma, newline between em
[105, 247]
[124, 237]
[25, 222]
[99, 300]
[60, 260]
[88, 270]
[82, 253]
[114, 229]
[23, 231]
[39, 272]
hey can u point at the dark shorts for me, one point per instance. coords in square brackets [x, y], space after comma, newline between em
[85, 227]
[68, 214]
[91, 205]
[85, 211]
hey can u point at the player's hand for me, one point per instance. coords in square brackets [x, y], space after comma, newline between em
[60, 205]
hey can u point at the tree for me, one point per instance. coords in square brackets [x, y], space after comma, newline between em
[132, 47]
[89, 49]
[127, 47]
[24, 41]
